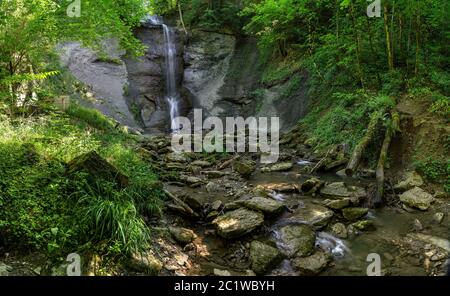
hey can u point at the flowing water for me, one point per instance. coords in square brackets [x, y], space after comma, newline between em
[349, 254]
[172, 95]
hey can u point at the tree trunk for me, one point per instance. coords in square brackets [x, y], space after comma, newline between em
[359, 149]
[181, 19]
[390, 131]
[358, 46]
[416, 68]
[388, 39]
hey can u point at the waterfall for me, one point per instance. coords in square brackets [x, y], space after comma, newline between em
[172, 95]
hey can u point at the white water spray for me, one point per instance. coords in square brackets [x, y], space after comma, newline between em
[172, 95]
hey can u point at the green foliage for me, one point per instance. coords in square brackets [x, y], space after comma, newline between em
[435, 170]
[41, 207]
[345, 117]
[90, 117]
[30, 30]
[441, 106]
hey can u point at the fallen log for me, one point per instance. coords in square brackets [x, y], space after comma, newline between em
[227, 163]
[359, 149]
[181, 205]
[393, 126]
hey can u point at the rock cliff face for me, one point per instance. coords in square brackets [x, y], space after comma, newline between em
[219, 73]
[146, 78]
[106, 78]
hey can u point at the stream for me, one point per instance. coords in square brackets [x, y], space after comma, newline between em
[349, 255]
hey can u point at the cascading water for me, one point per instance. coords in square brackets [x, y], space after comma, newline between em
[172, 95]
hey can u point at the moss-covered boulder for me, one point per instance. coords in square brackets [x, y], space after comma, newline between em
[263, 204]
[297, 240]
[238, 223]
[417, 198]
[312, 265]
[96, 168]
[353, 214]
[314, 215]
[182, 235]
[263, 257]
[244, 167]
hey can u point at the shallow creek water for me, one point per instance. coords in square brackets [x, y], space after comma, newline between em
[349, 254]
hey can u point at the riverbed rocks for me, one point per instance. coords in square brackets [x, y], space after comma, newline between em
[5, 270]
[176, 157]
[263, 257]
[337, 204]
[315, 215]
[263, 204]
[182, 235]
[339, 230]
[438, 217]
[297, 240]
[311, 185]
[145, 262]
[238, 223]
[353, 214]
[278, 167]
[409, 181]
[339, 190]
[312, 265]
[364, 225]
[244, 167]
[417, 198]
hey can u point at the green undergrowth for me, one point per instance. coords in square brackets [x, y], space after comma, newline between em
[44, 210]
[343, 118]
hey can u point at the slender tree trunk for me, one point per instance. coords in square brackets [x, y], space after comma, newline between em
[392, 33]
[181, 19]
[416, 68]
[388, 39]
[358, 46]
[408, 44]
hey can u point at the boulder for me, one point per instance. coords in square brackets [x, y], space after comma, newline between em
[201, 163]
[265, 205]
[263, 257]
[364, 225]
[339, 190]
[410, 180]
[176, 157]
[438, 217]
[417, 198]
[353, 214]
[5, 269]
[314, 215]
[244, 167]
[194, 201]
[339, 230]
[278, 167]
[182, 235]
[145, 262]
[297, 240]
[311, 185]
[238, 223]
[312, 265]
[96, 167]
[338, 204]
[221, 272]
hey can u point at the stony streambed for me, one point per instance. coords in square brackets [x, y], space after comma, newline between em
[281, 220]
